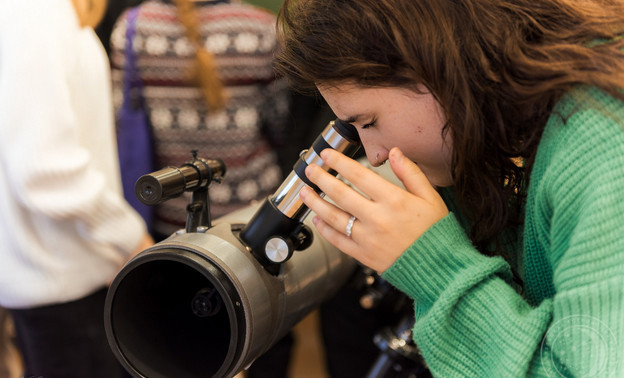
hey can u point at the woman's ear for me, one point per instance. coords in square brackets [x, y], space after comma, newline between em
[90, 12]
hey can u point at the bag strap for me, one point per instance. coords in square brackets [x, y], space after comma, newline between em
[132, 85]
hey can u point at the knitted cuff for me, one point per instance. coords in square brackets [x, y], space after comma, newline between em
[442, 256]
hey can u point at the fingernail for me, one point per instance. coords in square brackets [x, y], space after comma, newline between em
[303, 193]
[393, 154]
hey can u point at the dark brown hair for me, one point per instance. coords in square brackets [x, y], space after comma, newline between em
[497, 67]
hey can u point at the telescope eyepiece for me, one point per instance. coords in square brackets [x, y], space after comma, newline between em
[149, 190]
[348, 131]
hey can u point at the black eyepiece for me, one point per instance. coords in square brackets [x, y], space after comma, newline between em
[347, 130]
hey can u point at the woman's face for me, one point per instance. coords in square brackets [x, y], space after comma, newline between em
[396, 117]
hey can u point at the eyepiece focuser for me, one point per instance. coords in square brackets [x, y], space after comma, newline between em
[277, 229]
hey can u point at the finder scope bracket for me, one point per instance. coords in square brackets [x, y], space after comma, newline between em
[195, 176]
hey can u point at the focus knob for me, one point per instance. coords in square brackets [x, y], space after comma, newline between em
[278, 249]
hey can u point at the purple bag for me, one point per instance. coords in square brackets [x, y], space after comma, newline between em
[134, 136]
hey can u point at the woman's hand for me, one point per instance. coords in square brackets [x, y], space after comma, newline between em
[387, 222]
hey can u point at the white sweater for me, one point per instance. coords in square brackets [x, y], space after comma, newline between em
[65, 229]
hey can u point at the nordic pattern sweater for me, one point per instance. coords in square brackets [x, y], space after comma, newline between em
[569, 319]
[246, 135]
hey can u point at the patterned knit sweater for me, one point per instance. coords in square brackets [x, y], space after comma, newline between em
[244, 134]
[569, 320]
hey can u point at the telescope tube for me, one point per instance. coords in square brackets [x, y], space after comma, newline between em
[201, 305]
[208, 301]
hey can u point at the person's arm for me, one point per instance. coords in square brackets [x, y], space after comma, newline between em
[469, 320]
[53, 174]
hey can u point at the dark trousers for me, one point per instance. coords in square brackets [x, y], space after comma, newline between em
[66, 340]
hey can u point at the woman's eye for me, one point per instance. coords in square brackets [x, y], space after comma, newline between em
[370, 124]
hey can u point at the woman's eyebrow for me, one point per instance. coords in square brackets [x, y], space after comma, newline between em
[351, 119]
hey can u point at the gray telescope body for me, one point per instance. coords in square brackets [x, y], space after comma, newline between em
[208, 303]
[152, 324]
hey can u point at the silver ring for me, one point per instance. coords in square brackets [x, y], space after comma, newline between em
[350, 226]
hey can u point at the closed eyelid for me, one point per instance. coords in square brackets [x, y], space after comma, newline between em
[369, 124]
[357, 121]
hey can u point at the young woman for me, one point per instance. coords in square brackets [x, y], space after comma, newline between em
[505, 122]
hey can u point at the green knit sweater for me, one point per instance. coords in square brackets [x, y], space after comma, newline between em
[569, 320]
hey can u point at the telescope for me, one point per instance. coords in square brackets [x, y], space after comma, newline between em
[211, 298]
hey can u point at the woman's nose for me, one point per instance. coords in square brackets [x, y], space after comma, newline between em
[374, 157]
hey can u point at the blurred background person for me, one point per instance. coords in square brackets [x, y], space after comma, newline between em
[65, 227]
[114, 9]
[208, 85]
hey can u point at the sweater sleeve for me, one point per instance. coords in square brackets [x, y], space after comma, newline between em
[469, 320]
[580, 202]
[569, 322]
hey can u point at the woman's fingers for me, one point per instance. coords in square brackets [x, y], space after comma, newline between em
[411, 176]
[372, 185]
[341, 193]
[331, 221]
[329, 212]
[367, 181]
[336, 236]
[388, 218]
